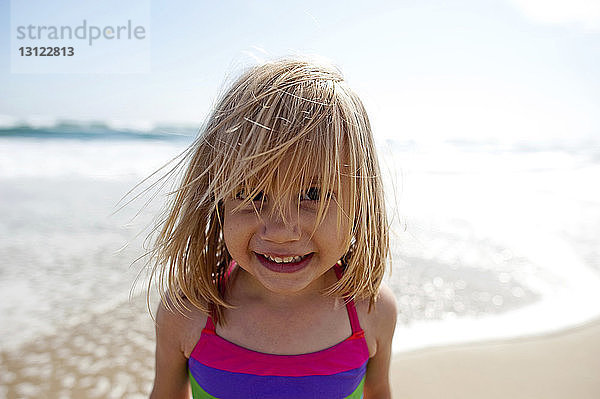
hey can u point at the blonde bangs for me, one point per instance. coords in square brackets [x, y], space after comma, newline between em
[283, 127]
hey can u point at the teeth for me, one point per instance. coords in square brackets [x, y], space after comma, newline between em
[285, 260]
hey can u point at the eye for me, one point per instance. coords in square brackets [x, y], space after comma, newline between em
[312, 194]
[257, 197]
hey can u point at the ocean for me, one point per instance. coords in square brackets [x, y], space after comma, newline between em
[488, 239]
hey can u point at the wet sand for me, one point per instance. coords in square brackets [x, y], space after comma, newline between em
[109, 355]
[563, 364]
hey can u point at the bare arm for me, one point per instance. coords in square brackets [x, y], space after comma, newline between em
[171, 378]
[377, 382]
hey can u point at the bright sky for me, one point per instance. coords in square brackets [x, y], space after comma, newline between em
[431, 70]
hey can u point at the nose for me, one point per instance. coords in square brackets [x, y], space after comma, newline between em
[280, 228]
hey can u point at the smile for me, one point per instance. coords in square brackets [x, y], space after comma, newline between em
[289, 259]
[289, 264]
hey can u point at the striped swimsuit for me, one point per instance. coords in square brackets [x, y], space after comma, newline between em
[221, 369]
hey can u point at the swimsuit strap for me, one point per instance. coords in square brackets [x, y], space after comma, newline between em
[352, 315]
[209, 326]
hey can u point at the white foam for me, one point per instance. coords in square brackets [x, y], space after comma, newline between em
[549, 315]
[528, 203]
[99, 159]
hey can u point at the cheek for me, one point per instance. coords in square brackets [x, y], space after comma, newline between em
[229, 232]
[237, 231]
[331, 235]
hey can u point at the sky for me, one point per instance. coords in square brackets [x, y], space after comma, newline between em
[525, 70]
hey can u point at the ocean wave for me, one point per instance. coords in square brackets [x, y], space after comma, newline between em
[98, 130]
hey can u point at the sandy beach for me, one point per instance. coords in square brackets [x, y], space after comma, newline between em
[563, 364]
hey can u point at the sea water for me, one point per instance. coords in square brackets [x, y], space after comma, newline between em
[493, 240]
[488, 239]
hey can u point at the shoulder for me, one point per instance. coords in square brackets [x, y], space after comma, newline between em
[174, 331]
[379, 322]
[180, 329]
[384, 313]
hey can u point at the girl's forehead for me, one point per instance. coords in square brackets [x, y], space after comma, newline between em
[305, 169]
[305, 162]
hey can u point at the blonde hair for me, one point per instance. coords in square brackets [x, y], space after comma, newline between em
[293, 109]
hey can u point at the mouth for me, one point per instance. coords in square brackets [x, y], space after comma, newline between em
[289, 264]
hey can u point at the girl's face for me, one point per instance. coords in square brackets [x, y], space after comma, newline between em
[285, 257]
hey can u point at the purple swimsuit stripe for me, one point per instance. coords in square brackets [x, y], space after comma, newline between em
[224, 384]
[221, 369]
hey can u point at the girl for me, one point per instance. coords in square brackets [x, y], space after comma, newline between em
[272, 253]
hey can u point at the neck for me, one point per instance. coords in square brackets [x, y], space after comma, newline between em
[249, 288]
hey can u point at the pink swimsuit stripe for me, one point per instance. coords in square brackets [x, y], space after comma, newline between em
[221, 369]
